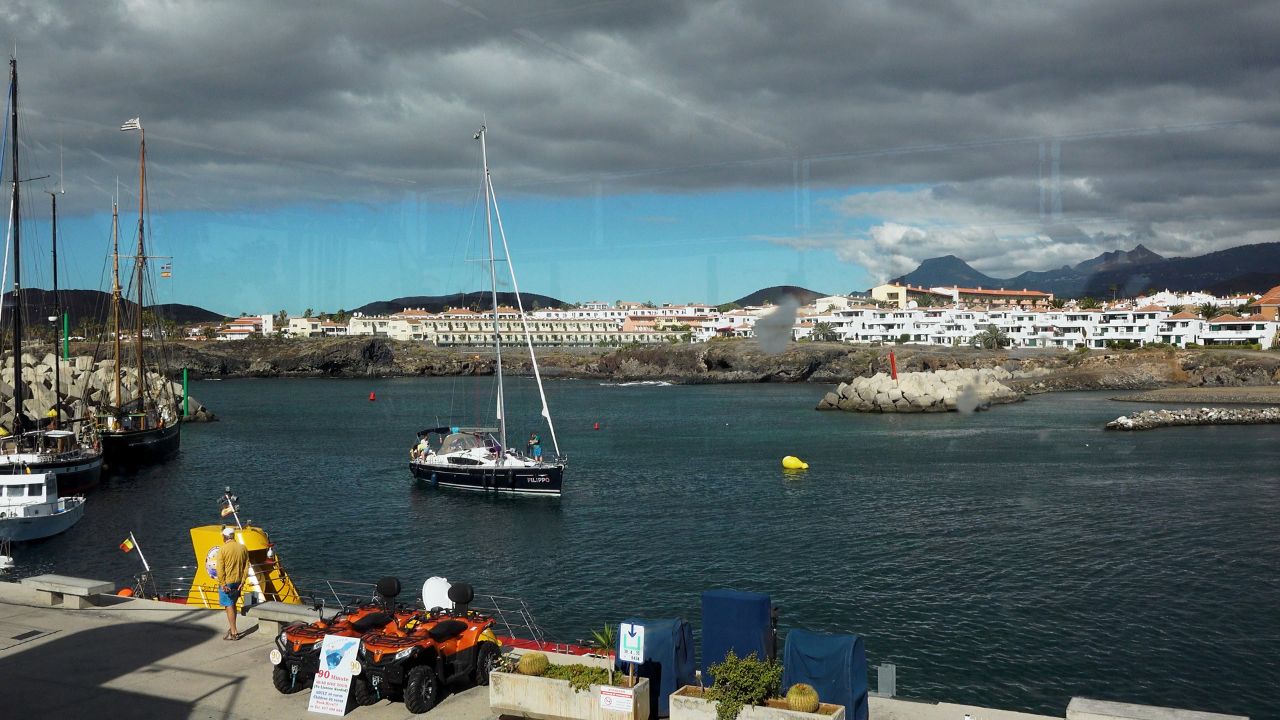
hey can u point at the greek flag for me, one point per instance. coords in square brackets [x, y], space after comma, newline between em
[134, 124]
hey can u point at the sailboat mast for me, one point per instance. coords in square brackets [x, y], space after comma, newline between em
[493, 288]
[115, 292]
[57, 325]
[140, 263]
[18, 419]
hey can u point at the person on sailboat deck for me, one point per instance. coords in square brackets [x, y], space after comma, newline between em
[535, 447]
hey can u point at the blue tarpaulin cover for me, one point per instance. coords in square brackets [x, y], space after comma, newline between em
[737, 621]
[835, 665]
[668, 661]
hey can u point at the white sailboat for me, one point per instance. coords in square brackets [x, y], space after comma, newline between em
[479, 458]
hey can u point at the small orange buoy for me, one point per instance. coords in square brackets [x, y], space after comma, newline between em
[125, 592]
[372, 397]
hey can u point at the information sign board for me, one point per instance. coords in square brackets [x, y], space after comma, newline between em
[333, 679]
[631, 643]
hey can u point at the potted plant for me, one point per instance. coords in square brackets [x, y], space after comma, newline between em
[553, 687]
[748, 689]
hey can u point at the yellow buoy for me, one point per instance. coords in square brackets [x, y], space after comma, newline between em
[791, 462]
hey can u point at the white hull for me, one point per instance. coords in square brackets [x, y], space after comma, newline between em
[19, 529]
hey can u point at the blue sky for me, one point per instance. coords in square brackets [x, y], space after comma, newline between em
[707, 247]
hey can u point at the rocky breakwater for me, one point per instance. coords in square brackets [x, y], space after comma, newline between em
[940, 391]
[85, 387]
[1152, 419]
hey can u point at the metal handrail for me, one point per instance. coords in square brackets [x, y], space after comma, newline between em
[511, 614]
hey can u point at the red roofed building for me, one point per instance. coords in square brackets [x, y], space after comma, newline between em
[1268, 305]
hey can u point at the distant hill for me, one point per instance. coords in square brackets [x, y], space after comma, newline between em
[1239, 269]
[94, 307]
[439, 303]
[774, 295]
[946, 270]
[186, 314]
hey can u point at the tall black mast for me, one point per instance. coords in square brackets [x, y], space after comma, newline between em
[18, 421]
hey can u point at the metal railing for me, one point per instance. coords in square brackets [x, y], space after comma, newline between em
[511, 614]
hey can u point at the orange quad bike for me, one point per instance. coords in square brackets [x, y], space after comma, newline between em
[420, 658]
[296, 656]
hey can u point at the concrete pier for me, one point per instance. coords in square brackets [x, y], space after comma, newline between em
[125, 658]
[143, 659]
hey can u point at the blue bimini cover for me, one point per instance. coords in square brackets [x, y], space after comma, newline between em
[835, 665]
[737, 621]
[668, 661]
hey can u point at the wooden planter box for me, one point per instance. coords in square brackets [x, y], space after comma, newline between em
[538, 697]
[687, 703]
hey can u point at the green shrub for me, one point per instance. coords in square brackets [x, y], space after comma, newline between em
[742, 681]
[581, 677]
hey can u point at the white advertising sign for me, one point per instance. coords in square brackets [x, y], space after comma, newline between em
[631, 643]
[333, 679]
[616, 699]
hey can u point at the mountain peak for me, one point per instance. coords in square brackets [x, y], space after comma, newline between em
[946, 270]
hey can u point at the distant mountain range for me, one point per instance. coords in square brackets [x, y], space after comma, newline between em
[1247, 268]
[533, 301]
[474, 300]
[94, 307]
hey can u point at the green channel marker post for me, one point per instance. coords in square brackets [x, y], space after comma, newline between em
[185, 396]
[66, 336]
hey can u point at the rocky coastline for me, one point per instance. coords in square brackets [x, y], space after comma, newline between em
[1152, 419]
[729, 361]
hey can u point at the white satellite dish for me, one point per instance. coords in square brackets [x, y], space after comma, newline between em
[435, 593]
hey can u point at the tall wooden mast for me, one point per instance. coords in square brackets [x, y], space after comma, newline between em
[139, 265]
[115, 293]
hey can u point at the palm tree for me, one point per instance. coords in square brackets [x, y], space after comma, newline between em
[1087, 303]
[1057, 303]
[1175, 309]
[992, 338]
[823, 332]
[1208, 311]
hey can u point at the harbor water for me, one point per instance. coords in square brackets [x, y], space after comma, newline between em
[1011, 558]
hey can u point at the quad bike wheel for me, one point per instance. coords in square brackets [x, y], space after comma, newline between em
[421, 690]
[486, 660]
[362, 691]
[285, 682]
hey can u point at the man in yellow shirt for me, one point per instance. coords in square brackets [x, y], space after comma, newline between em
[231, 568]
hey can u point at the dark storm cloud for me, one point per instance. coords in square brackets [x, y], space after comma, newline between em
[1167, 113]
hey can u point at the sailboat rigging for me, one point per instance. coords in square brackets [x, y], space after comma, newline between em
[472, 458]
[146, 428]
[71, 457]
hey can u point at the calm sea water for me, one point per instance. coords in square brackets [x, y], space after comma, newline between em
[1011, 558]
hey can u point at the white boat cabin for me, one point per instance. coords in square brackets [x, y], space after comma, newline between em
[28, 495]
